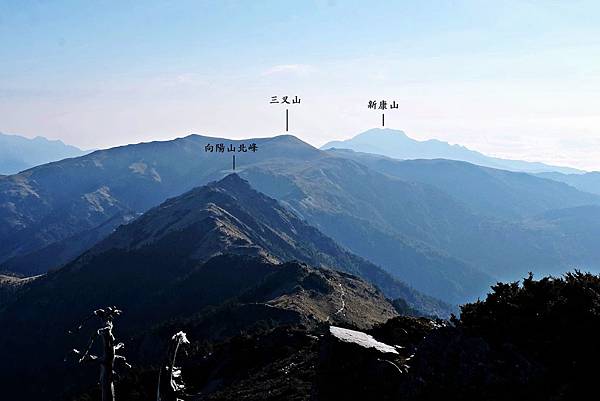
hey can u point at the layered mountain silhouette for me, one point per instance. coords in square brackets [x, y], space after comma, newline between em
[49, 207]
[507, 211]
[459, 241]
[486, 191]
[381, 218]
[229, 217]
[223, 258]
[18, 153]
[248, 264]
[588, 182]
[53, 202]
[449, 229]
[396, 144]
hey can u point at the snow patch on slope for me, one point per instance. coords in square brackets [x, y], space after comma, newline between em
[360, 338]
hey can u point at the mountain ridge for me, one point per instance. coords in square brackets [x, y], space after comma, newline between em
[427, 234]
[398, 145]
[231, 217]
[188, 259]
[97, 186]
[61, 200]
[588, 182]
[485, 190]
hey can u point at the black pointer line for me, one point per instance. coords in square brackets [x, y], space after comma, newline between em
[383, 120]
[286, 120]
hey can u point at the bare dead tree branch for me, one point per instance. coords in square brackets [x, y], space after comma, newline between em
[86, 354]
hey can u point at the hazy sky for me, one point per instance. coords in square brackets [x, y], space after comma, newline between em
[517, 79]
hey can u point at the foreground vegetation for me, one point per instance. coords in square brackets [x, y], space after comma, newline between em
[533, 340]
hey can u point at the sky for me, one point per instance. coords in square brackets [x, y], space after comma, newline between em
[515, 79]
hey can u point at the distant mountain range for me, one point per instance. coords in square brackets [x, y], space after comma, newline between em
[486, 191]
[534, 219]
[18, 153]
[396, 144]
[297, 274]
[588, 182]
[55, 201]
[46, 210]
[449, 229]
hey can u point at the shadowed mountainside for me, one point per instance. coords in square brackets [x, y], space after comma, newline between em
[449, 229]
[533, 340]
[211, 257]
[50, 206]
[50, 203]
[486, 191]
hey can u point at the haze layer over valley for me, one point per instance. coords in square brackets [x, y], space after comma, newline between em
[447, 228]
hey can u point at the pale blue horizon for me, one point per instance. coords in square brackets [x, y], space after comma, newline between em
[519, 80]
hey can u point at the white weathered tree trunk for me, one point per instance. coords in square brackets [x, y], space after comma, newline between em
[109, 354]
[171, 374]
[107, 364]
